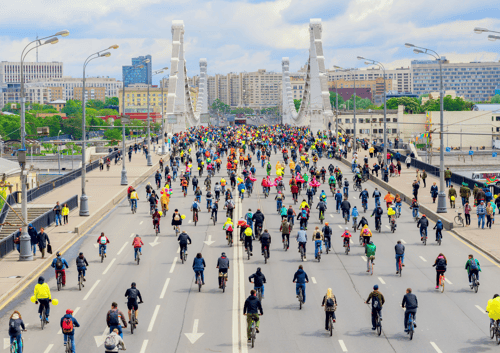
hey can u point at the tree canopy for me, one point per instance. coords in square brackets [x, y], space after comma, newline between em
[333, 100]
[495, 99]
[220, 106]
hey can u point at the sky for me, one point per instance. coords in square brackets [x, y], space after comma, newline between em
[236, 36]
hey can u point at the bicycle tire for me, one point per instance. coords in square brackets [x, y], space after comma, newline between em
[223, 285]
[59, 282]
[498, 338]
[80, 283]
[379, 326]
[68, 346]
[474, 283]
[132, 322]
[360, 240]
[442, 285]
[492, 332]
[331, 326]
[138, 259]
[411, 332]
[253, 335]
[459, 221]
[400, 268]
[199, 283]
[425, 240]
[102, 256]
[44, 317]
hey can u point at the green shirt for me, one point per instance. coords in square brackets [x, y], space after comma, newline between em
[370, 250]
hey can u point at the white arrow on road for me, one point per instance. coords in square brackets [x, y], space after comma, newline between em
[209, 241]
[194, 336]
[153, 244]
[99, 340]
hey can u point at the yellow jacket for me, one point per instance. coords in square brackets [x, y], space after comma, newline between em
[133, 195]
[493, 308]
[227, 224]
[369, 234]
[304, 204]
[42, 291]
[248, 232]
[65, 211]
[292, 165]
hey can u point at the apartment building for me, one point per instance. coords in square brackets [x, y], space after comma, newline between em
[400, 78]
[143, 75]
[136, 99]
[12, 94]
[10, 72]
[97, 93]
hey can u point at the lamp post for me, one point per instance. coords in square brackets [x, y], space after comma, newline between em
[149, 162]
[84, 201]
[25, 240]
[58, 153]
[354, 135]
[163, 142]
[492, 37]
[124, 180]
[441, 207]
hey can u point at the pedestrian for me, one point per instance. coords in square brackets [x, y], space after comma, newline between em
[464, 193]
[17, 239]
[101, 164]
[65, 213]
[43, 240]
[399, 168]
[33, 233]
[467, 210]
[481, 213]
[408, 162]
[452, 195]
[434, 192]
[424, 176]
[447, 176]
[58, 217]
[489, 215]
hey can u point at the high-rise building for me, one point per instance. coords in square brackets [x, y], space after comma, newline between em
[91, 93]
[11, 93]
[10, 72]
[475, 81]
[401, 78]
[138, 75]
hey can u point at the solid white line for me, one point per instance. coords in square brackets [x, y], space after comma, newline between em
[173, 265]
[403, 241]
[480, 309]
[436, 347]
[364, 258]
[164, 290]
[424, 260]
[141, 222]
[381, 280]
[144, 345]
[92, 289]
[152, 323]
[313, 280]
[342, 345]
[448, 281]
[123, 247]
[109, 266]
[48, 348]
[235, 318]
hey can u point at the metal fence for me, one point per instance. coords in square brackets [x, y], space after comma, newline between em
[11, 200]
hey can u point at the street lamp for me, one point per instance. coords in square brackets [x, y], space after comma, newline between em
[58, 152]
[84, 201]
[441, 207]
[25, 240]
[149, 162]
[374, 62]
[124, 180]
[349, 70]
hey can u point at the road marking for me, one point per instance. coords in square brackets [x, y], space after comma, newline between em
[47, 350]
[313, 280]
[364, 258]
[144, 345]
[424, 260]
[480, 309]
[74, 314]
[331, 215]
[436, 347]
[403, 241]
[91, 289]
[173, 264]
[209, 241]
[340, 226]
[387, 226]
[109, 266]
[190, 221]
[342, 345]
[448, 281]
[381, 280]
[164, 290]
[141, 222]
[354, 197]
[152, 323]
[194, 336]
[178, 250]
[132, 235]
[122, 248]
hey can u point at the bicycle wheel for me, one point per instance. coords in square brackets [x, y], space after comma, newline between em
[248, 254]
[138, 259]
[330, 324]
[102, 256]
[13, 347]
[474, 282]
[68, 346]
[459, 221]
[300, 299]
[411, 331]
[379, 326]
[44, 317]
[441, 284]
[360, 240]
[223, 284]
[132, 322]
[265, 256]
[498, 337]
[59, 281]
[425, 239]
[80, 282]
[253, 334]
[439, 240]
[198, 278]
[259, 294]
[400, 265]
[492, 331]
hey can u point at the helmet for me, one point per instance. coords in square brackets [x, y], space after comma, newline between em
[223, 254]
[326, 223]
[423, 215]
[375, 287]
[133, 284]
[58, 254]
[346, 228]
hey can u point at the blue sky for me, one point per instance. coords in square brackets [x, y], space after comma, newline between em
[248, 35]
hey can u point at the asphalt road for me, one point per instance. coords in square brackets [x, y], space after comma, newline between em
[175, 317]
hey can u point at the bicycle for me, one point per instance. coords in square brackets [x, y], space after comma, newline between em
[266, 254]
[258, 231]
[378, 226]
[183, 255]
[370, 260]
[327, 246]
[223, 281]
[301, 298]
[214, 218]
[354, 223]
[302, 252]
[59, 281]
[321, 216]
[439, 237]
[230, 238]
[43, 318]
[475, 283]
[198, 280]
[365, 206]
[400, 266]
[195, 217]
[411, 326]
[177, 231]
[259, 293]
[14, 348]
[442, 280]
[138, 257]
[134, 208]
[68, 346]
[495, 331]
[248, 252]
[459, 220]
[330, 325]
[80, 280]
[285, 244]
[424, 236]
[393, 224]
[133, 320]
[102, 253]
[319, 252]
[157, 229]
[379, 323]
[253, 330]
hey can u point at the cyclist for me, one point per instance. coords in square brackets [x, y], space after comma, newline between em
[81, 266]
[209, 196]
[322, 197]
[223, 266]
[346, 188]
[391, 214]
[491, 309]
[362, 223]
[285, 229]
[400, 253]
[248, 239]
[58, 263]
[399, 203]
[302, 239]
[376, 195]
[103, 241]
[113, 342]
[279, 200]
[156, 219]
[346, 207]
[229, 206]
[16, 326]
[327, 233]
[363, 195]
[303, 217]
[149, 188]
[439, 227]
[410, 302]
[310, 195]
[177, 219]
[258, 280]
[42, 295]
[378, 212]
[318, 239]
[113, 318]
[347, 237]
[388, 199]
[423, 223]
[153, 199]
[295, 191]
[133, 199]
[370, 250]
[228, 227]
[354, 215]
[300, 279]
[472, 266]
[217, 190]
[194, 182]
[199, 266]
[68, 324]
[440, 263]
[414, 206]
[132, 294]
[208, 182]
[198, 193]
[183, 240]
[378, 301]
[330, 304]
[258, 217]
[158, 179]
[322, 208]
[251, 310]
[184, 184]
[137, 244]
[265, 241]
[215, 209]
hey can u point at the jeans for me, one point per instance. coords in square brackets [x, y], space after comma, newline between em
[317, 247]
[480, 217]
[488, 221]
[423, 232]
[448, 182]
[398, 207]
[279, 204]
[467, 219]
[377, 201]
[414, 212]
[464, 200]
[201, 273]
[248, 243]
[439, 232]
[470, 275]
[133, 204]
[407, 314]
[397, 261]
[346, 191]
[214, 214]
[374, 316]
[82, 271]
[103, 247]
[119, 327]
[71, 339]
[369, 262]
[33, 248]
[303, 286]
[345, 213]
[261, 289]
[337, 205]
[19, 344]
[291, 219]
[58, 219]
[328, 314]
[135, 252]
[209, 203]
[174, 174]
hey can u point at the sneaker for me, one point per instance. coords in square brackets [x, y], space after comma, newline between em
[107, 255]
[470, 284]
[257, 329]
[374, 328]
[415, 325]
[249, 340]
[40, 317]
[437, 287]
[403, 265]
[84, 279]
[406, 330]
[47, 320]
[397, 272]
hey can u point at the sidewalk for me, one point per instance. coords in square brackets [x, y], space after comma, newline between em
[104, 192]
[484, 239]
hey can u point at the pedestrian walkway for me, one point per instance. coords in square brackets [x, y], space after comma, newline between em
[103, 190]
[485, 239]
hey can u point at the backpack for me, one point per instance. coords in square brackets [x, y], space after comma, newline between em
[472, 264]
[113, 318]
[137, 243]
[178, 218]
[330, 303]
[59, 264]
[110, 342]
[103, 240]
[67, 325]
[376, 303]
[304, 214]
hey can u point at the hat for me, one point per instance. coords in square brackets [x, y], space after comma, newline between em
[465, 184]
[69, 311]
[375, 287]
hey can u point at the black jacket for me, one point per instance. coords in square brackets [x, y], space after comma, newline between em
[81, 262]
[43, 239]
[265, 238]
[184, 238]
[423, 222]
[410, 302]
[252, 306]
[258, 279]
[345, 205]
[378, 212]
[258, 217]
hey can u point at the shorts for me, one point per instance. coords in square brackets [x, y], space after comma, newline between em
[133, 304]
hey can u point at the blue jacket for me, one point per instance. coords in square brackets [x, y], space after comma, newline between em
[300, 277]
[199, 264]
[481, 210]
[439, 225]
[75, 323]
[241, 187]
[355, 212]
[64, 262]
[338, 196]
[302, 236]
[434, 190]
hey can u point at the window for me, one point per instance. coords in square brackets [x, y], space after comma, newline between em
[380, 131]
[394, 131]
[347, 121]
[395, 120]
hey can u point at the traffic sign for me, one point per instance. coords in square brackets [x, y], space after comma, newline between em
[494, 154]
[471, 153]
[448, 149]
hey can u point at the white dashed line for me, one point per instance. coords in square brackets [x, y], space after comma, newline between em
[152, 323]
[48, 348]
[364, 258]
[331, 215]
[381, 280]
[173, 264]
[436, 347]
[91, 289]
[480, 309]
[109, 266]
[132, 235]
[141, 222]
[123, 247]
[340, 226]
[403, 241]
[144, 345]
[424, 260]
[313, 280]
[448, 281]
[387, 226]
[178, 250]
[164, 290]
[342, 345]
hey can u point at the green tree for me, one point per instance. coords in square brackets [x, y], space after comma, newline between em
[94, 103]
[333, 96]
[411, 104]
[297, 103]
[113, 134]
[495, 99]
[105, 112]
[73, 127]
[72, 108]
[220, 106]
[242, 111]
[111, 101]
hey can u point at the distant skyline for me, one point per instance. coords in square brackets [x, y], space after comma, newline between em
[238, 36]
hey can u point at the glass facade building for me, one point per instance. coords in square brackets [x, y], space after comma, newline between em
[144, 75]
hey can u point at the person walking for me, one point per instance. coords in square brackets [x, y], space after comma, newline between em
[452, 195]
[424, 176]
[481, 214]
[489, 215]
[57, 211]
[467, 210]
[408, 162]
[32, 232]
[447, 177]
[65, 213]
[43, 240]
